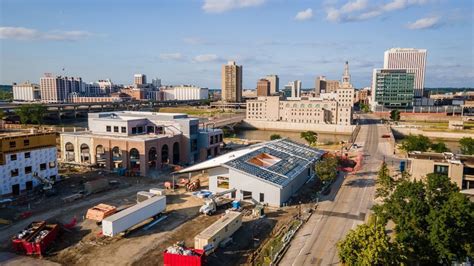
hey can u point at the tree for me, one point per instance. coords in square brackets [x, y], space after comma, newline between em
[416, 143]
[310, 136]
[24, 113]
[326, 169]
[439, 147]
[37, 113]
[395, 115]
[368, 244]
[275, 136]
[364, 108]
[385, 183]
[467, 145]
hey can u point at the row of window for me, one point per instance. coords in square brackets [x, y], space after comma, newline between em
[215, 139]
[26, 142]
[136, 130]
[28, 169]
[14, 157]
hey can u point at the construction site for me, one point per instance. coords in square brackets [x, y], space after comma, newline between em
[72, 225]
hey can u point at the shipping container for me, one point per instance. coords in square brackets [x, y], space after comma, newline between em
[96, 186]
[170, 259]
[124, 220]
[218, 231]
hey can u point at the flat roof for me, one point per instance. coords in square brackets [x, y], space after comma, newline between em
[218, 225]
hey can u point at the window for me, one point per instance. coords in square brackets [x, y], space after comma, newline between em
[26, 142]
[27, 155]
[193, 129]
[193, 145]
[223, 182]
[134, 130]
[108, 128]
[262, 197]
[124, 130]
[52, 164]
[441, 169]
[28, 169]
[43, 166]
[12, 144]
[150, 129]
[246, 195]
[13, 157]
[160, 130]
[14, 172]
[116, 129]
[139, 130]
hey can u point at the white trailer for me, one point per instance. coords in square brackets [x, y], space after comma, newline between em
[219, 231]
[124, 220]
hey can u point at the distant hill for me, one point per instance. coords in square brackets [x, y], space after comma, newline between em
[447, 90]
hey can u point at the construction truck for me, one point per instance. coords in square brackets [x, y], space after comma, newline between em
[215, 201]
[47, 184]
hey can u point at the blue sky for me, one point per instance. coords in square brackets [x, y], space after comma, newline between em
[187, 41]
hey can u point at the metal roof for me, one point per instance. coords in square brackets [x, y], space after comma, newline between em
[293, 158]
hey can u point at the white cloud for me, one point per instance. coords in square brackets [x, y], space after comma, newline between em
[424, 23]
[220, 6]
[357, 10]
[194, 40]
[20, 33]
[206, 58]
[171, 56]
[304, 15]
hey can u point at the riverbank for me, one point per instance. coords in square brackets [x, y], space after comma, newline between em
[292, 127]
[405, 131]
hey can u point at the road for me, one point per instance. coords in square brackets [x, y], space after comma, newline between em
[345, 207]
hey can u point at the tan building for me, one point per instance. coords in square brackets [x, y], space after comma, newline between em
[459, 168]
[142, 142]
[311, 110]
[56, 89]
[274, 83]
[231, 82]
[362, 96]
[139, 80]
[263, 87]
[325, 86]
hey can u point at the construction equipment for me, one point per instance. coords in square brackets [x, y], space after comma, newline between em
[47, 184]
[193, 185]
[215, 201]
[35, 238]
[100, 212]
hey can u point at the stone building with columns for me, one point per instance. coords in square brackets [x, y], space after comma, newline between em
[140, 141]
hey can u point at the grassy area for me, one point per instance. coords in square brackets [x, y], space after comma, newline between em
[439, 126]
[194, 111]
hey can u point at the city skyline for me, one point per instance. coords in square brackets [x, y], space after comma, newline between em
[188, 43]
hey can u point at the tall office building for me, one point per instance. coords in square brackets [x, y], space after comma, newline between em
[295, 87]
[325, 86]
[139, 80]
[263, 87]
[156, 83]
[231, 82]
[408, 58]
[274, 83]
[57, 89]
[393, 88]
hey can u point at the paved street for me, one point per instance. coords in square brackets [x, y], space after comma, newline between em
[345, 207]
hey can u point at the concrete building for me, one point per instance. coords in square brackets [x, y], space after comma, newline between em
[142, 142]
[459, 168]
[325, 86]
[26, 92]
[362, 96]
[114, 97]
[139, 80]
[269, 172]
[231, 82]
[408, 58]
[185, 93]
[274, 83]
[295, 88]
[24, 156]
[56, 89]
[393, 88]
[263, 87]
[156, 83]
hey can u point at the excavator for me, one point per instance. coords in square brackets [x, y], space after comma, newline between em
[47, 185]
[215, 201]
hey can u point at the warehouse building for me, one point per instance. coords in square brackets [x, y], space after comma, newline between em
[269, 172]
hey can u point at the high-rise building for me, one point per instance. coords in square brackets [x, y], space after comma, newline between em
[231, 82]
[295, 87]
[274, 83]
[408, 58]
[26, 92]
[325, 86]
[139, 80]
[263, 87]
[393, 88]
[57, 89]
[156, 83]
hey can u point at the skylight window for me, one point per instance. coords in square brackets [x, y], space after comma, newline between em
[264, 160]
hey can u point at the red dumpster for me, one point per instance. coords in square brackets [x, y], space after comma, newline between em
[35, 238]
[193, 257]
